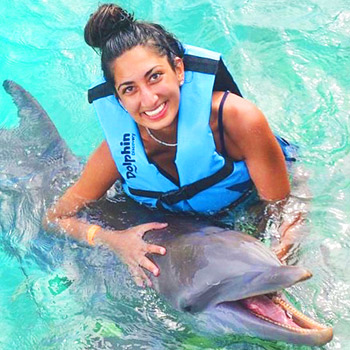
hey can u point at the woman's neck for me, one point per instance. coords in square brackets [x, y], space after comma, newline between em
[165, 136]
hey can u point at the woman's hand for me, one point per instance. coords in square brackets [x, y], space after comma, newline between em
[132, 249]
[289, 236]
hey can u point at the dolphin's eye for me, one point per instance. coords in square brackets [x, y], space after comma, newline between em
[188, 308]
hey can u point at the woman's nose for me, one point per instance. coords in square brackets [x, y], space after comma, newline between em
[148, 97]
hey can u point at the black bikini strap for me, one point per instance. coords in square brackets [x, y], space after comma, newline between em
[221, 126]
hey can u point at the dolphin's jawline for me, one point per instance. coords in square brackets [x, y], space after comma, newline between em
[305, 326]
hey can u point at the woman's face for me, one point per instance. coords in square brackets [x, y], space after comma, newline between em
[148, 87]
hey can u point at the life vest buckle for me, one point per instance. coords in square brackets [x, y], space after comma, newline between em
[175, 196]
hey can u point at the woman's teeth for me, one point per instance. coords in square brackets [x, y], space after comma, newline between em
[155, 111]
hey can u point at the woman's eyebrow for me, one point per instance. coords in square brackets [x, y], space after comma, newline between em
[146, 75]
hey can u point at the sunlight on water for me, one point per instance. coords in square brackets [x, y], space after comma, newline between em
[290, 58]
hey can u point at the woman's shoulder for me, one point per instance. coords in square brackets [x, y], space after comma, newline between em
[238, 114]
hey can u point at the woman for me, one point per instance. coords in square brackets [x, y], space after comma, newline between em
[162, 109]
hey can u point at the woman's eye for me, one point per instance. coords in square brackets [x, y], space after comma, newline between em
[155, 76]
[128, 89]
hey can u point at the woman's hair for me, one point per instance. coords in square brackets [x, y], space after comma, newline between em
[113, 31]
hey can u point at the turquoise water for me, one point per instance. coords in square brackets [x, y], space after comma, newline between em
[291, 59]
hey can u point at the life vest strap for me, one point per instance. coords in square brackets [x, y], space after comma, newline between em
[200, 64]
[99, 91]
[188, 191]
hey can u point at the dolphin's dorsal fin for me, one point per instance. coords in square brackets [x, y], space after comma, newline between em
[35, 129]
[34, 121]
[35, 142]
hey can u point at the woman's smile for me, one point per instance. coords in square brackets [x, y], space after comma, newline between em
[157, 113]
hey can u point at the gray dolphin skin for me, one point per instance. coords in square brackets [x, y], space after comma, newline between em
[228, 280]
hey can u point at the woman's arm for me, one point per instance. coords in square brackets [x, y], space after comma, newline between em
[98, 176]
[249, 137]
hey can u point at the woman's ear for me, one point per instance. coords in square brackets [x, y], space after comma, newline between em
[179, 69]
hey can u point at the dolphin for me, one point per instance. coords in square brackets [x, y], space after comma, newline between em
[229, 281]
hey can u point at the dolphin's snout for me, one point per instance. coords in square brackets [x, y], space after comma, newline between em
[307, 275]
[286, 276]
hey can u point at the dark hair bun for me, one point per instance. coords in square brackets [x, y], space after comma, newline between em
[107, 20]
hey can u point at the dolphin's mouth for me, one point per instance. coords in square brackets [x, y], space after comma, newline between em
[274, 309]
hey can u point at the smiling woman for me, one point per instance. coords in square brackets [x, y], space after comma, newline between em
[164, 107]
[150, 91]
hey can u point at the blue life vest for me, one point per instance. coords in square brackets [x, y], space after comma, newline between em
[207, 181]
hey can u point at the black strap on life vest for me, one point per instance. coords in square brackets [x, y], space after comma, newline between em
[200, 64]
[223, 79]
[99, 91]
[189, 191]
